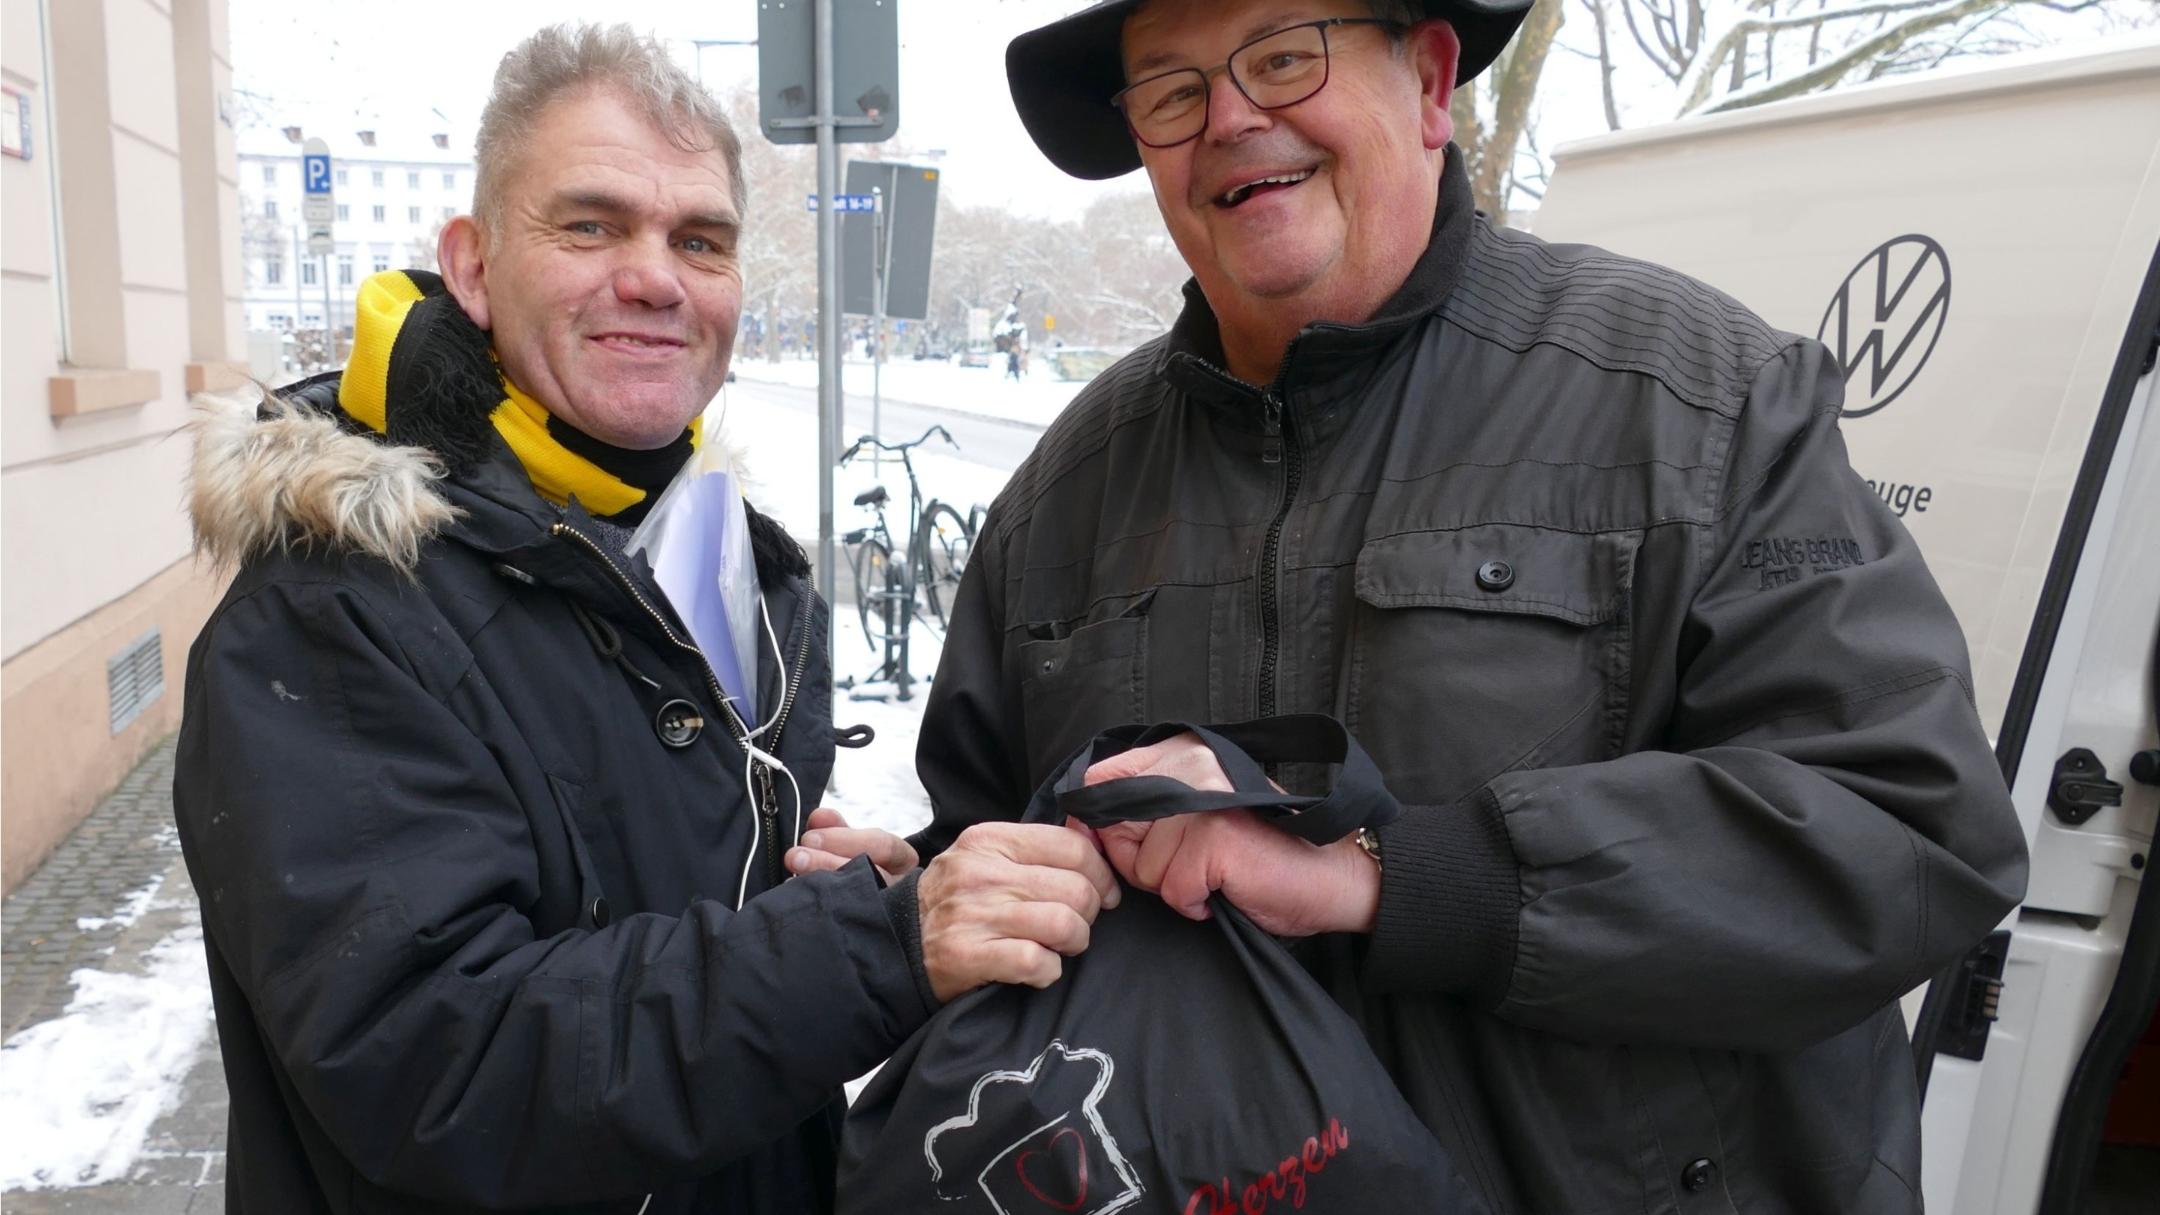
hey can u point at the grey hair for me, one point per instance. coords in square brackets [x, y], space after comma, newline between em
[562, 59]
[1402, 14]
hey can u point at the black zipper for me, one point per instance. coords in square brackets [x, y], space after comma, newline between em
[1278, 444]
[768, 810]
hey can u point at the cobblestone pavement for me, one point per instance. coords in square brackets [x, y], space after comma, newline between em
[113, 890]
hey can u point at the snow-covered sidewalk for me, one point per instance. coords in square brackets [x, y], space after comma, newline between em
[1038, 398]
[778, 453]
[120, 1094]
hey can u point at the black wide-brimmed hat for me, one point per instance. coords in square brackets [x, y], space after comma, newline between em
[1064, 74]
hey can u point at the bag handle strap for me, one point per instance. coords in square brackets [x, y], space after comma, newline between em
[1358, 798]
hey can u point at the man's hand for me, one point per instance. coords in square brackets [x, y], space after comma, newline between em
[830, 843]
[1287, 886]
[1006, 902]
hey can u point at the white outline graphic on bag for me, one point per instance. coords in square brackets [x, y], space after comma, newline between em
[1133, 1192]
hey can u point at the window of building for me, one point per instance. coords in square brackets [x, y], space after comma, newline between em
[344, 212]
[343, 178]
[269, 175]
[379, 209]
[269, 208]
[312, 320]
[449, 181]
[378, 178]
[273, 271]
[307, 275]
[279, 321]
[449, 212]
[412, 215]
[344, 270]
[382, 262]
[412, 180]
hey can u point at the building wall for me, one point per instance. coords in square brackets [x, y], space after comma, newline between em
[121, 282]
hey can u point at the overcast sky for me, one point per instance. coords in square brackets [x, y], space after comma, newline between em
[396, 56]
[393, 57]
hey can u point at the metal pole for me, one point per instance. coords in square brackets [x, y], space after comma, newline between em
[828, 256]
[329, 319]
[877, 323]
[299, 304]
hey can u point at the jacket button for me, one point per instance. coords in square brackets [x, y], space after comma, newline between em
[1495, 576]
[600, 914]
[678, 723]
[1699, 1174]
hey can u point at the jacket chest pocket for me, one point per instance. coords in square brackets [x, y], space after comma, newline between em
[1074, 685]
[1488, 648]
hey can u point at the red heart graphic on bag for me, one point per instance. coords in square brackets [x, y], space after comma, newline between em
[1049, 1155]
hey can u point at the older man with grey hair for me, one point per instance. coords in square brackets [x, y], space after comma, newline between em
[490, 850]
[1678, 821]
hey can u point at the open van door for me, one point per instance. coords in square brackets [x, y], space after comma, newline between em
[1982, 252]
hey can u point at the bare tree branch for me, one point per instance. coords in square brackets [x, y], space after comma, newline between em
[1605, 63]
[1514, 84]
[1853, 58]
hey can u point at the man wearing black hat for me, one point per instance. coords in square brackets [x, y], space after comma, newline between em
[1693, 788]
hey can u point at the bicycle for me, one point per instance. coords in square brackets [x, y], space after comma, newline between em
[889, 597]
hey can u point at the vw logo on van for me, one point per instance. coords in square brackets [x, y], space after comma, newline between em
[1884, 322]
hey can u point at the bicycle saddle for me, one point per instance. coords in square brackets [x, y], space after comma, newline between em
[873, 496]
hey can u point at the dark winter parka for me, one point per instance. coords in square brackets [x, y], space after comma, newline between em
[468, 824]
[1693, 786]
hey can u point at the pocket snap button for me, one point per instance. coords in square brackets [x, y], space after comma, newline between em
[678, 723]
[1699, 1174]
[1495, 576]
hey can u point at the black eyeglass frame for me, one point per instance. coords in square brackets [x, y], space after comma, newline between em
[1229, 68]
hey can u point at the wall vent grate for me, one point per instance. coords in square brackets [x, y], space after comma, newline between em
[135, 678]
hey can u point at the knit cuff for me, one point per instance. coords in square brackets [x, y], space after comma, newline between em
[905, 916]
[1449, 902]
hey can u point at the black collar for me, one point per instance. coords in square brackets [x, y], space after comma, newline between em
[1192, 355]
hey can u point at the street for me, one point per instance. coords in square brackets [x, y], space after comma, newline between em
[984, 439]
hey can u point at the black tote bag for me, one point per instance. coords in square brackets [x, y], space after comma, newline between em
[1179, 1066]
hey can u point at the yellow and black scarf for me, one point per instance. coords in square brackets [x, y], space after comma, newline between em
[422, 373]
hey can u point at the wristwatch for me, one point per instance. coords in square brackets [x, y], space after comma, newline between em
[1369, 840]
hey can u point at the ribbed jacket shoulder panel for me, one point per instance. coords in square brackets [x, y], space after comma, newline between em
[1132, 388]
[1619, 313]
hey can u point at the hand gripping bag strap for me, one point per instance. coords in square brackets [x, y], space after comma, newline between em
[1358, 799]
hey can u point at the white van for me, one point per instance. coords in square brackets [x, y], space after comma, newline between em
[1983, 252]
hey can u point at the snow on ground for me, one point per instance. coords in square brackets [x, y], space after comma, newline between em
[874, 786]
[132, 906]
[1037, 398]
[78, 1094]
[778, 452]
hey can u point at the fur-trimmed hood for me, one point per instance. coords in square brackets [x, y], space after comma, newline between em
[282, 474]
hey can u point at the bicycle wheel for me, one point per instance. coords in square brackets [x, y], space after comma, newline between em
[875, 576]
[945, 541]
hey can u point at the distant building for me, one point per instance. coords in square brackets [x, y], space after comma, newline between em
[395, 181]
[120, 278]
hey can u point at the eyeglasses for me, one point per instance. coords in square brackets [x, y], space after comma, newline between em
[1272, 71]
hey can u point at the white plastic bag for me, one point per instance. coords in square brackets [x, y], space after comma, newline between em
[697, 540]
